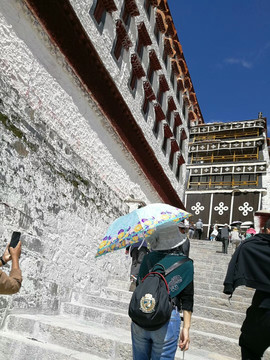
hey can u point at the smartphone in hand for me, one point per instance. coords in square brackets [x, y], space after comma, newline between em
[15, 238]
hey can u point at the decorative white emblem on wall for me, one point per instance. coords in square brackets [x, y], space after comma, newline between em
[221, 208]
[197, 208]
[245, 208]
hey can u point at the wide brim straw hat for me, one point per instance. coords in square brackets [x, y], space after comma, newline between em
[166, 238]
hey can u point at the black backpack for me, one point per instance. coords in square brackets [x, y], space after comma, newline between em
[150, 305]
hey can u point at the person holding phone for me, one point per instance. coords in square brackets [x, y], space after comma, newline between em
[11, 284]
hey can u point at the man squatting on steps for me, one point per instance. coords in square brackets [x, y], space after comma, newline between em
[11, 284]
[250, 266]
[166, 245]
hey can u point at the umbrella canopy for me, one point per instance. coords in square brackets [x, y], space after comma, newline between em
[246, 224]
[236, 223]
[138, 225]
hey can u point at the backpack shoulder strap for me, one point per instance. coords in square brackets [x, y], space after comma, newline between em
[176, 265]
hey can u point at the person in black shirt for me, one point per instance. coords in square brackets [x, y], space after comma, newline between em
[250, 266]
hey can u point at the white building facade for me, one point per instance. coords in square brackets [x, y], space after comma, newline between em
[96, 105]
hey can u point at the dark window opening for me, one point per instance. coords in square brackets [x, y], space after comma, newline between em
[184, 109]
[171, 159]
[99, 12]
[117, 48]
[156, 128]
[139, 48]
[133, 81]
[165, 58]
[181, 145]
[147, 6]
[178, 95]
[126, 17]
[175, 129]
[150, 74]
[172, 78]
[164, 145]
[157, 33]
[160, 96]
[145, 107]
[177, 174]
[168, 116]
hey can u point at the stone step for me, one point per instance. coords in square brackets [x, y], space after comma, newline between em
[221, 303]
[116, 294]
[219, 314]
[217, 343]
[121, 306]
[216, 276]
[200, 277]
[218, 327]
[88, 337]
[211, 249]
[119, 285]
[210, 267]
[101, 315]
[16, 347]
[98, 340]
[116, 319]
[211, 258]
[215, 299]
[241, 290]
[213, 293]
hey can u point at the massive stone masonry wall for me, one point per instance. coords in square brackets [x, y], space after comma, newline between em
[62, 209]
[61, 183]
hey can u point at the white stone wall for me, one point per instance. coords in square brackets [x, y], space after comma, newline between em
[64, 172]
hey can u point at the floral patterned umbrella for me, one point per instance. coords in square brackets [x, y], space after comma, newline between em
[138, 225]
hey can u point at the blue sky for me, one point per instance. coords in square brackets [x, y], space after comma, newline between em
[226, 45]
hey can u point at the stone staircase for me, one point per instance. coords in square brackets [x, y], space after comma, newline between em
[98, 327]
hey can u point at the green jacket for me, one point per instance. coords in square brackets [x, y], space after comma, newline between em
[178, 279]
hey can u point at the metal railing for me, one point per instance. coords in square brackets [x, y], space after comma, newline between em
[217, 184]
[224, 158]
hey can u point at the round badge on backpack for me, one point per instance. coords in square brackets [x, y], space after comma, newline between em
[147, 304]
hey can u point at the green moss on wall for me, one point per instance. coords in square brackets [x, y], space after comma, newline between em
[16, 131]
[11, 127]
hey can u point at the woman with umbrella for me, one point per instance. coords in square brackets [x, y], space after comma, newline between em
[166, 245]
[152, 222]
